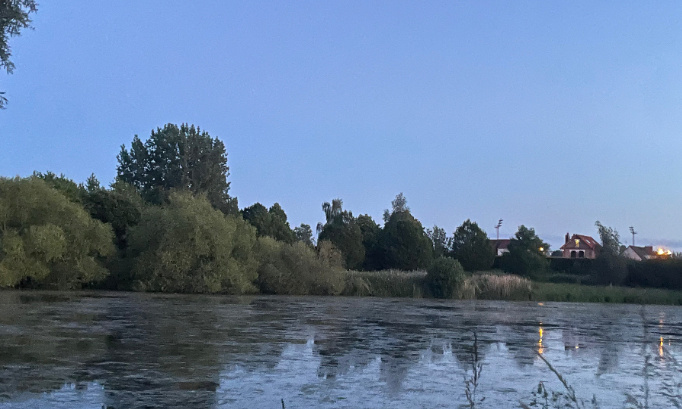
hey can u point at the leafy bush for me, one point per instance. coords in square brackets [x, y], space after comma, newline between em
[46, 239]
[443, 277]
[526, 256]
[189, 247]
[298, 269]
[656, 273]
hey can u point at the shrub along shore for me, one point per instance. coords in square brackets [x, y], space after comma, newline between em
[168, 224]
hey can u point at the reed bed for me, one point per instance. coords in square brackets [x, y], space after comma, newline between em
[385, 283]
[605, 294]
[496, 287]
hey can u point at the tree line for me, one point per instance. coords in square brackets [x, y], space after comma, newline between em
[168, 223]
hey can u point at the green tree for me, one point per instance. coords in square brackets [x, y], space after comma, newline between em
[443, 277]
[304, 233]
[471, 247]
[404, 243]
[398, 205]
[187, 246]
[298, 269]
[272, 222]
[15, 16]
[371, 236]
[115, 209]
[526, 254]
[46, 239]
[178, 158]
[440, 241]
[610, 267]
[279, 225]
[342, 230]
[73, 191]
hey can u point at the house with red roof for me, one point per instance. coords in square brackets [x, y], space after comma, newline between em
[500, 246]
[639, 253]
[580, 246]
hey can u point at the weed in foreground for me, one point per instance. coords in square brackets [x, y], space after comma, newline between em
[471, 383]
[547, 399]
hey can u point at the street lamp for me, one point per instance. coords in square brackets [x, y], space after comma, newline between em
[632, 230]
[497, 227]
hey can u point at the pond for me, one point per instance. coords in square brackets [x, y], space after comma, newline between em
[125, 350]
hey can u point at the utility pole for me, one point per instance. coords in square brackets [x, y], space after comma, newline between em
[497, 227]
[632, 230]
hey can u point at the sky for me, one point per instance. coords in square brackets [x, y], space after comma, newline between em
[548, 114]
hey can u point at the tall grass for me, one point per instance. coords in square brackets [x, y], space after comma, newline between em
[385, 283]
[496, 287]
[396, 283]
[607, 294]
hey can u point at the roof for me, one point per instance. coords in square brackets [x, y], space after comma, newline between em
[643, 252]
[500, 244]
[582, 242]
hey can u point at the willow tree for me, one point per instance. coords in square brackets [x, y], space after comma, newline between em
[48, 240]
[186, 246]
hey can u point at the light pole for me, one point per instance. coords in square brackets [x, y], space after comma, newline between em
[632, 230]
[497, 227]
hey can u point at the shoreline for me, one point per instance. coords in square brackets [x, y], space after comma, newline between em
[539, 292]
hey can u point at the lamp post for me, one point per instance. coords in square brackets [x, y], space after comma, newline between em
[497, 227]
[632, 230]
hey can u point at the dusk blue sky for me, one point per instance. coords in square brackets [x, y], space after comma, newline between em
[548, 114]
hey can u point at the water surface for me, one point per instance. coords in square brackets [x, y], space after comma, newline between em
[121, 350]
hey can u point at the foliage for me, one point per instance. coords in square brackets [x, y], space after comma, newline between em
[525, 256]
[187, 246]
[371, 236]
[656, 273]
[272, 223]
[342, 230]
[610, 239]
[610, 267]
[298, 269]
[114, 208]
[405, 244]
[14, 17]
[47, 240]
[178, 158]
[471, 247]
[439, 240]
[73, 191]
[304, 233]
[398, 205]
[443, 277]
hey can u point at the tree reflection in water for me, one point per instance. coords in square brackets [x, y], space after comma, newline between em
[136, 350]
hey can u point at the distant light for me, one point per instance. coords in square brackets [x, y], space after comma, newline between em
[542, 249]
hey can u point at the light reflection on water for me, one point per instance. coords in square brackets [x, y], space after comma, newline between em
[89, 350]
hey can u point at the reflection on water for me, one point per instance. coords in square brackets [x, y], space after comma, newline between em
[78, 350]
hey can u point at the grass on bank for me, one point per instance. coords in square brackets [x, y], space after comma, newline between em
[604, 294]
[396, 283]
[495, 286]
